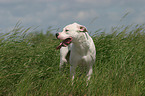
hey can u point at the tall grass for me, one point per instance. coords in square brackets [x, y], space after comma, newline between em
[29, 64]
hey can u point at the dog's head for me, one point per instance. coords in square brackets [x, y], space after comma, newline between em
[70, 33]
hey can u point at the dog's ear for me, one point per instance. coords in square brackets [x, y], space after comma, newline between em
[83, 29]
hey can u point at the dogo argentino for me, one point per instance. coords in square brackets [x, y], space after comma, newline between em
[80, 45]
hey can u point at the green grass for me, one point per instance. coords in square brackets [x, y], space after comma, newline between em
[29, 64]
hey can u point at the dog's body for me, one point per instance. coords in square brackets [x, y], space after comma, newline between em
[82, 49]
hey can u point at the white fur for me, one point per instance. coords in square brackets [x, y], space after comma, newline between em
[82, 49]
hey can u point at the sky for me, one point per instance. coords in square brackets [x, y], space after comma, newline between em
[94, 14]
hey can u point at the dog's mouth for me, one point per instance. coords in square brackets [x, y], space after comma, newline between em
[65, 43]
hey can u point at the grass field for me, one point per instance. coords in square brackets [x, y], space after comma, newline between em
[29, 64]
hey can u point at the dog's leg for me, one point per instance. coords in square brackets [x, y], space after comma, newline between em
[72, 72]
[90, 71]
[63, 53]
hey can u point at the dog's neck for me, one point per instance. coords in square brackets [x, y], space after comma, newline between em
[81, 45]
[83, 38]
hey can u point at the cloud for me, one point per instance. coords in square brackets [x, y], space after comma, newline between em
[6, 17]
[29, 13]
[10, 1]
[97, 2]
[113, 16]
[139, 18]
[66, 15]
[61, 12]
[88, 14]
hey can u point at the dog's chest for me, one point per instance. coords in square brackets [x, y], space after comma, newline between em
[80, 50]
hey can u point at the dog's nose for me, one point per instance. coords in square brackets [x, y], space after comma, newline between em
[57, 34]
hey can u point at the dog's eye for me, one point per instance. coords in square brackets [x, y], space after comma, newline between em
[66, 30]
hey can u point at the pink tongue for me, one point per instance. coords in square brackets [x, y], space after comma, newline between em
[64, 43]
[60, 45]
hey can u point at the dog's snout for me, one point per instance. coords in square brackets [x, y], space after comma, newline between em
[57, 34]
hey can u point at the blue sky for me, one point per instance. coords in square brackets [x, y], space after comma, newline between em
[94, 14]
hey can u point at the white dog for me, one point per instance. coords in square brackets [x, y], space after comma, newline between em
[80, 46]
